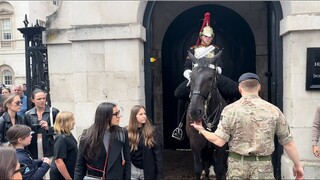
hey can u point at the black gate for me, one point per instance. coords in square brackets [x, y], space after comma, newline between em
[37, 72]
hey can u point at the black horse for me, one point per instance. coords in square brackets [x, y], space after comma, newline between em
[206, 105]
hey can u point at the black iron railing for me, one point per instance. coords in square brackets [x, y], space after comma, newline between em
[37, 71]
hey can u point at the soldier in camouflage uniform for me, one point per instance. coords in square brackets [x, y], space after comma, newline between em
[249, 126]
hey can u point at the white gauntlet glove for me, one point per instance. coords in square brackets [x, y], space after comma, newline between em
[186, 74]
[219, 70]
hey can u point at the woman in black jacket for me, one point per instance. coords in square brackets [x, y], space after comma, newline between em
[104, 148]
[146, 153]
[11, 105]
[39, 119]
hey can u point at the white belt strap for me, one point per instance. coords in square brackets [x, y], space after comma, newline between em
[51, 117]
[204, 52]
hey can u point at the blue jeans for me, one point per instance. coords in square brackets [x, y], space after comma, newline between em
[136, 173]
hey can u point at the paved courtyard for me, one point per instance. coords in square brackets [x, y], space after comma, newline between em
[178, 165]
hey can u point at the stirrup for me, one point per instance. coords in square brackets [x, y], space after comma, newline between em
[178, 132]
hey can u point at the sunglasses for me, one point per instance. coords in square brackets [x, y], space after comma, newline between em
[18, 103]
[117, 114]
[21, 169]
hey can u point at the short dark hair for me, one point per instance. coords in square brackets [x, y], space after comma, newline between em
[6, 89]
[36, 91]
[249, 84]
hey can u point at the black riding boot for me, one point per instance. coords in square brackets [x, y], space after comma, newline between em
[228, 89]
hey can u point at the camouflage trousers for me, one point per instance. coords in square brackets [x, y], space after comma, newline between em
[240, 169]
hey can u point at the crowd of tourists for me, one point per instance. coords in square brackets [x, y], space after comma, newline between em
[38, 142]
[45, 148]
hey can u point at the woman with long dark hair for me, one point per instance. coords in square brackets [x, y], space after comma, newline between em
[104, 150]
[146, 153]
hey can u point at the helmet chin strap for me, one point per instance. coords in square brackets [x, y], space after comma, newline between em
[202, 44]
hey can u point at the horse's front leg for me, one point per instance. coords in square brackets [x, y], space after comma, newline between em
[198, 165]
[197, 145]
[221, 157]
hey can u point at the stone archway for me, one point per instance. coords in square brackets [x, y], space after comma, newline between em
[160, 101]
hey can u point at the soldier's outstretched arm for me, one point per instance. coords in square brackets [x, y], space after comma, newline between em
[210, 136]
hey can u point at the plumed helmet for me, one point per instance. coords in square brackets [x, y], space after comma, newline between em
[205, 28]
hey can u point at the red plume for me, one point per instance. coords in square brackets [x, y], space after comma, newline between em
[206, 21]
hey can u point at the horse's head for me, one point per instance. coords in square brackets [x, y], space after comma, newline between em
[203, 85]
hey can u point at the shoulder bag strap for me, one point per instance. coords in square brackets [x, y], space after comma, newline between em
[51, 117]
[105, 167]
[122, 138]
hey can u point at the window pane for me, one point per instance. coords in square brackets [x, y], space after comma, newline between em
[6, 36]
[6, 29]
[7, 77]
[6, 25]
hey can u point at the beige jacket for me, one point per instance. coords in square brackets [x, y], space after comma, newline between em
[316, 127]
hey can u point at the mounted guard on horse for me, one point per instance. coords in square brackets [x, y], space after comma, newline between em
[209, 94]
[203, 48]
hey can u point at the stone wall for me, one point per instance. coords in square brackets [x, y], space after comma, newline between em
[300, 29]
[96, 57]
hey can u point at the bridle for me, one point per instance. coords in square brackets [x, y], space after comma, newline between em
[207, 97]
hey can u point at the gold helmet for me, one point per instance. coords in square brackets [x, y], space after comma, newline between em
[205, 28]
[207, 31]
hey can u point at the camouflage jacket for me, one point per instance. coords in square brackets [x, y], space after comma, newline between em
[249, 125]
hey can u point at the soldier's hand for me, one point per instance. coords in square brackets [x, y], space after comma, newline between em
[197, 125]
[298, 172]
[315, 150]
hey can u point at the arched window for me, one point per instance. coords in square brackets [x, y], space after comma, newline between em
[6, 12]
[7, 77]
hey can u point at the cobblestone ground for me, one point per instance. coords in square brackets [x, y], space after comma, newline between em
[178, 165]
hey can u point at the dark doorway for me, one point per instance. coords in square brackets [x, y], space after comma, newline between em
[231, 33]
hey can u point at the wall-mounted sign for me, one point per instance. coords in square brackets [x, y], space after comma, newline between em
[313, 69]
